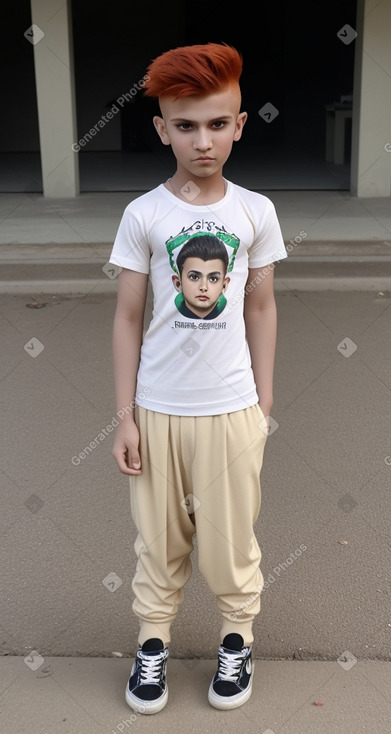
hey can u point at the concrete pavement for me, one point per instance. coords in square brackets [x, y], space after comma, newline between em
[323, 635]
[86, 696]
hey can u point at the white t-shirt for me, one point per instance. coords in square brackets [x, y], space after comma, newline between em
[197, 362]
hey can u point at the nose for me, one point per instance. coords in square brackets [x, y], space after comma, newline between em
[203, 140]
[204, 284]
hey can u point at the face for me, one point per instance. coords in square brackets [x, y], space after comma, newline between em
[201, 129]
[201, 283]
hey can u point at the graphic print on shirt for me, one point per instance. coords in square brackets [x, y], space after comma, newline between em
[201, 266]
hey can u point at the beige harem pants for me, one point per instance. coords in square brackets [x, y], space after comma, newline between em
[200, 475]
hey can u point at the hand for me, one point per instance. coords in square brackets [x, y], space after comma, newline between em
[126, 449]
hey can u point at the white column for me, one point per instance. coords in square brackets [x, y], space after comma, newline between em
[53, 57]
[371, 130]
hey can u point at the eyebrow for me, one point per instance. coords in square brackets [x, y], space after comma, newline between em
[191, 122]
[199, 272]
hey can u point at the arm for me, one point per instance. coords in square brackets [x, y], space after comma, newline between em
[260, 314]
[127, 340]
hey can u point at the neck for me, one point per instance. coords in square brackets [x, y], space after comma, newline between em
[197, 190]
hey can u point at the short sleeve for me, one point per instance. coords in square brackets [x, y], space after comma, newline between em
[131, 248]
[268, 245]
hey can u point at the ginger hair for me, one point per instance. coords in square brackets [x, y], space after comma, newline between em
[193, 70]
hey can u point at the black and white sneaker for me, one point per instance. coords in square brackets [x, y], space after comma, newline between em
[231, 686]
[146, 691]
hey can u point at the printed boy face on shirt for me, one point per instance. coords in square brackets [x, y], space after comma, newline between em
[202, 282]
[201, 277]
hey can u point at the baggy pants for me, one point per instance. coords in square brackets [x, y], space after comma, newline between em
[199, 475]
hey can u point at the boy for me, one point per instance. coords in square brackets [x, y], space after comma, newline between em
[202, 390]
[202, 280]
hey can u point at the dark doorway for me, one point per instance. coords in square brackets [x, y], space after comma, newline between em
[295, 65]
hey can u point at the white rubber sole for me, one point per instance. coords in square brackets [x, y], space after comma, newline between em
[146, 707]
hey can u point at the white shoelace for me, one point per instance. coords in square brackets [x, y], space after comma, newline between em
[151, 667]
[229, 667]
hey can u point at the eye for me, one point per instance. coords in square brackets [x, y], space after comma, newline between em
[214, 278]
[192, 276]
[184, 126]
[218, 124]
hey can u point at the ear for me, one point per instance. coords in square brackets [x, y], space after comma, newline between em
[160, 127]
[177, 283]
[240, 122]
[225, 284]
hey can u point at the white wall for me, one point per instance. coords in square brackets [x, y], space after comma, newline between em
[371, 133]
[53, 59]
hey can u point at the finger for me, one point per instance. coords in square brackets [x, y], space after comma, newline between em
[122, 463]
[132, 472]
[133, 457]
[134, 461]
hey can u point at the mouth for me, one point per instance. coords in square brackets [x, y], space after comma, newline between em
[204, 158]
[202, 298]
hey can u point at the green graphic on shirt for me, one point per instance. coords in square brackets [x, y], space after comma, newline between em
[205, 254]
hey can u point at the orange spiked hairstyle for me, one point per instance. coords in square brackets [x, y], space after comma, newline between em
[188, 70]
